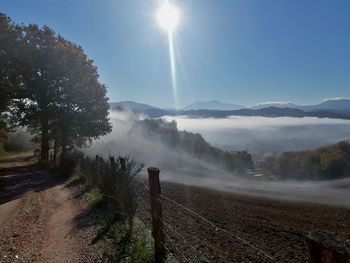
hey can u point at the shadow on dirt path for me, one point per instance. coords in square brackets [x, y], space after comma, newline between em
[44, 219]
[22, 178]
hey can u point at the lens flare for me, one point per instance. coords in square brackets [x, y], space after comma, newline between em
[168, 16]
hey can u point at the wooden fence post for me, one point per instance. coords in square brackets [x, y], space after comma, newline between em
[156, 207]
[325, 248]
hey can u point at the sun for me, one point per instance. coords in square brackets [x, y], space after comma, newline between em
[168, 17]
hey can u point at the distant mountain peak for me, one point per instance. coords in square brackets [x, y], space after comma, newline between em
[212, 105]
[326, 104]
[335, 99]
[279, 104]
[130, 105]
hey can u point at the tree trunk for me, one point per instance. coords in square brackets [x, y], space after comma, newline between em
[55, 149]
[44, 157]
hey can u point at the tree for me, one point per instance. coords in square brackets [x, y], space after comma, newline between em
[238, 161]
[10, 62]
[81, 102]
[53, 86]
[36, 107]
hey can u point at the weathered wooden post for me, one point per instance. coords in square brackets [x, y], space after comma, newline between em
[156, 211]
[325, 248]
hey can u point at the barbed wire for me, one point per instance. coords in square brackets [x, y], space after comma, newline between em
[184, 240]
[217, 228]
[173, 244]
[143, 184]
[168, 251]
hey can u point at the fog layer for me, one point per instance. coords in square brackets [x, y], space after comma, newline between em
[177, 166]
[263, 135]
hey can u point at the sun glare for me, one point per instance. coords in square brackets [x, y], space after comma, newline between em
[168, 16]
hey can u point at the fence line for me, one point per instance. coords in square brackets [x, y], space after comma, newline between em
[184, 240]
[217, 228]
[172, 242]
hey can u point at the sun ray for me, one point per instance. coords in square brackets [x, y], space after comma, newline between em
[173, 67]
[168, 18]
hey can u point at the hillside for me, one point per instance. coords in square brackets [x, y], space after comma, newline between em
[265, 112]
[328, 162]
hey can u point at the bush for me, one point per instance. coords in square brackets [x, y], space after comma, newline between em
[69, 162]
[18, 142]
[111, 187]
[116, 182]
[94, 197]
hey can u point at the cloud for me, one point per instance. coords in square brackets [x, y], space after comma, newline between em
[334, 98]
[263, 135]
[273, 102]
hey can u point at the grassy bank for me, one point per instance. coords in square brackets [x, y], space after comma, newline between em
[101, 183]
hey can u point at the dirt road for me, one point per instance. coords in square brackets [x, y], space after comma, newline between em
[42, 220]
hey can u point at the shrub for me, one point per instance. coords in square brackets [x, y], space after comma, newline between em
[116, 182]
[18, 142]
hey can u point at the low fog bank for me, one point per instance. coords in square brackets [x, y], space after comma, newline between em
[127, 140]
[334, 192]
[180, 167]
[263, 135]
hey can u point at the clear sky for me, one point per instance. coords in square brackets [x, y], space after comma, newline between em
[239, 51]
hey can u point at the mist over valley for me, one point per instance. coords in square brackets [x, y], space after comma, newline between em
[259, 135]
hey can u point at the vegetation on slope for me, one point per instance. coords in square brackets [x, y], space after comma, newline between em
[194, 144]
[329, 162]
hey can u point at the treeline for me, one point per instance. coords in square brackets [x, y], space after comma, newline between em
[329, 162]
[194, 144]
[49, 85]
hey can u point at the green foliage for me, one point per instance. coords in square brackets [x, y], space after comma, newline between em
[94, 196]
[111, 187]
[330, 162]
[119, 247]
[116, 183]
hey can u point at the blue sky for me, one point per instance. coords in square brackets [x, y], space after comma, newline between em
[239, 51]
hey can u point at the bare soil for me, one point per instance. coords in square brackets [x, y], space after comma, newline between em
[278, 228]
[42, 220]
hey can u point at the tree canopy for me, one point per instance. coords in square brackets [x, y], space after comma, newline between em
[329, 162]
[49, 85]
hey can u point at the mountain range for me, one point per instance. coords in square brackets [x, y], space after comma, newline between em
[331, 104]
[212, 105]
[334, 108]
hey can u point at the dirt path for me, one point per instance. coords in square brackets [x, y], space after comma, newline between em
[59, 244]
[43, 220]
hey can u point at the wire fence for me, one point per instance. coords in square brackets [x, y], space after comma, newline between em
[182, 244]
